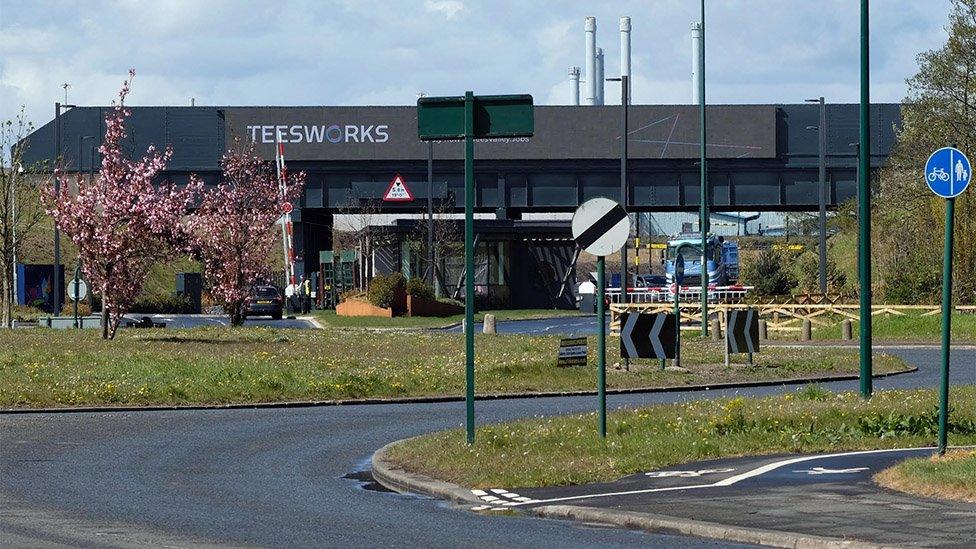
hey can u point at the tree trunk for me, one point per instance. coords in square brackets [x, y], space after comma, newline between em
[7, 316]
[104, 315]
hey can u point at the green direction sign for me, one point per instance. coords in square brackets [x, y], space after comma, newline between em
[441, 118]
[470, 117]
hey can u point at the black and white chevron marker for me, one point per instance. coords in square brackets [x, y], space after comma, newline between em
[647, 336]
[600, 226]
[742, 331]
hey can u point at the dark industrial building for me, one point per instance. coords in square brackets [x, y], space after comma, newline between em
[760, 158]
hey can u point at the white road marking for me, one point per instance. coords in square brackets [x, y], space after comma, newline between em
[479, 492]
[686, 474]
[499, 490]
[825, 471]
[731, 480]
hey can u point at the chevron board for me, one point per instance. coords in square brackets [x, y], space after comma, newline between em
[743, 331]
[647, 335]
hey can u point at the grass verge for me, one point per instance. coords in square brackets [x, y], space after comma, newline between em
[42, 367]
[910, 327]
[567, 450]
[952, 476]
[329, 318]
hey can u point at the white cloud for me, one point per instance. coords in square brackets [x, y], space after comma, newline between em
[322, 52]
[447, 8]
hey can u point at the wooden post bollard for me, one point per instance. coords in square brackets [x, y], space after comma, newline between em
[847, 331]
[807, 330]
[716, 329]
[489, 325]
[763, 330]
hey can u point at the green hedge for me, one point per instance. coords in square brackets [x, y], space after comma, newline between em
[382, 289]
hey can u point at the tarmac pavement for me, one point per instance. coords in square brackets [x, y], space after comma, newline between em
[828, 495]
[274, 477]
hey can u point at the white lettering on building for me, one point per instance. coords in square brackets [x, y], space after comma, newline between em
[334, 133]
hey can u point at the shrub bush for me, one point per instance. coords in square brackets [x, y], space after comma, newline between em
[163, 304]
[418, 287]
[382, 289]
[768, 274]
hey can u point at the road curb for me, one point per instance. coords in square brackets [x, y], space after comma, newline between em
[687, 527]
[451, 398]
[391, 476]
[394, 478]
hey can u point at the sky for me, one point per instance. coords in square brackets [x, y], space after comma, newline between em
[379, 52]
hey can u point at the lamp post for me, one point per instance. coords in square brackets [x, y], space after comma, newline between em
[822, 163]
[56, 291]
[703, 199]
[624, 99]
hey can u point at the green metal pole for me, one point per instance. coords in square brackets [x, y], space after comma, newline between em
[469, 260]
[946, 325]
[677, 322]
[601, 344]
[864, 209]
[703, 199]
[77, 296]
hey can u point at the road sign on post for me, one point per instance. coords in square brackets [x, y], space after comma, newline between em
[601, 227]
[741, 333]
[948, 173]
[469, 117]
[647, 335]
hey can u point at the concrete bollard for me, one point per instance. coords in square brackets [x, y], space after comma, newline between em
[763, 330]
[489, 325]
[847, 331]
[806, 334]
[464, 326]
[716, 330]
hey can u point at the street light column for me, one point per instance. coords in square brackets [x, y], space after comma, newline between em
[56, 278]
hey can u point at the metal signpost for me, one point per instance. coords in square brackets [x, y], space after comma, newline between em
[948, 173]
[864, 209]
[679, 277]
[470, 117]
[77, 291]
[601, 227]
[741, 333]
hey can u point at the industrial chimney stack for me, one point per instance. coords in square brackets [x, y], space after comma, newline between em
[590, 61]
[625, 56]
[574, 86]
[695, 54]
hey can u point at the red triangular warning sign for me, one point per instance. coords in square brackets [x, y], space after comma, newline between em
[398, 191]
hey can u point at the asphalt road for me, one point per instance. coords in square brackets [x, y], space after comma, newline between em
[274, 476]
[831, 495]
[196, 321]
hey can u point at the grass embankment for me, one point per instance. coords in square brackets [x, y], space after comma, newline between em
[952, 476]
[329, 318]
[42, 367]
[910, 327]
[567, 449]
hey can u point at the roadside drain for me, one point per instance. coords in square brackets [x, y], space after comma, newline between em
[367, 482]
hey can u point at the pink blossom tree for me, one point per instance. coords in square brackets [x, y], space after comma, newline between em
[231, 232]
[121, 221]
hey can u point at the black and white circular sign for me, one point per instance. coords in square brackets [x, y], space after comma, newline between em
[600, 226]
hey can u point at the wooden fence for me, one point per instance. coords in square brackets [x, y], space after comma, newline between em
[781, 317]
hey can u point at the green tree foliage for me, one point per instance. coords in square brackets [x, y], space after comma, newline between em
[940, 110]
[383, 289]
[807, 274]
[769, 274]
[418, 287]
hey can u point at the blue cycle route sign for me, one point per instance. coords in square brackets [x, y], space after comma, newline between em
[948, 172]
